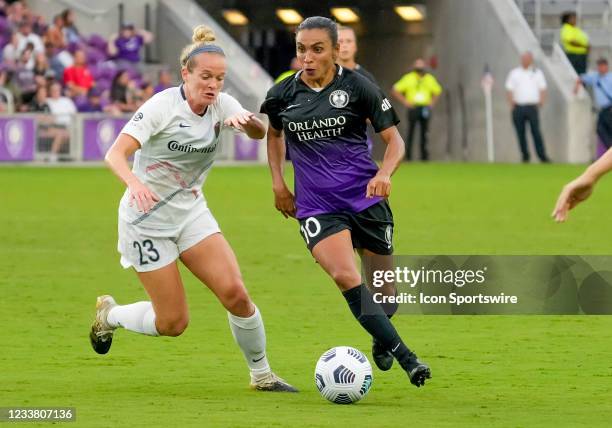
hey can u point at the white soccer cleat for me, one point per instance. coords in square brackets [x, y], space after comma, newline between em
[101, 334]
[273, 383]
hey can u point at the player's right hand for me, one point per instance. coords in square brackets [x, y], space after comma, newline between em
[144, 198]
[572, 194]
[284, 201]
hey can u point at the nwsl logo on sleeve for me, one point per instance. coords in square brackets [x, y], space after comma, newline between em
[339, 98]
[137, 117]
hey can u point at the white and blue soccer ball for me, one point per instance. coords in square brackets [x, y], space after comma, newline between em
[343, 375]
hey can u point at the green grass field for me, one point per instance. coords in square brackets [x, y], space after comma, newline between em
[58, 252]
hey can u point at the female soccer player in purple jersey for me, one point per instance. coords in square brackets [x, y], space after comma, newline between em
[340, 194]
[163, 215]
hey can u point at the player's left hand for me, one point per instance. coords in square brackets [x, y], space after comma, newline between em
[239, 120]
[572, 194]
[380, 185]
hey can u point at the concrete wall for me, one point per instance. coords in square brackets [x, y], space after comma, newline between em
[95, 16]
[472, 33]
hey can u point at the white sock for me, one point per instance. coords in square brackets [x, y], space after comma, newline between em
[138, 317]
[250, 335]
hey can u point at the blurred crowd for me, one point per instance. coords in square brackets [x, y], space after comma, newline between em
[52, 67]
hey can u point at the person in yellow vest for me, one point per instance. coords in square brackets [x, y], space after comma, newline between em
[575, 42]
[418, 91]
[295, 66]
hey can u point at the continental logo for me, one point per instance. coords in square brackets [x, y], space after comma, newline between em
[174, 146]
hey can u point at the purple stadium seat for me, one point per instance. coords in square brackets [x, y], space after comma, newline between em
[98, 42]
[133, 73]
[107, 70]
[80, 102]
[95, 71]
[94, 56]
[74, 46]
[103, 84]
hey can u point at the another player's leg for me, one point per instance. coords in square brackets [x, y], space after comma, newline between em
[335, 255]
[165, 315]
[214, 263]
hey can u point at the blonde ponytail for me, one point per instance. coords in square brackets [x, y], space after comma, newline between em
[202, 36]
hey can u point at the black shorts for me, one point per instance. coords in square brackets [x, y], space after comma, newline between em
[371, 229]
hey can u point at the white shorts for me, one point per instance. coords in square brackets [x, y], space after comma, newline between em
[150, 249]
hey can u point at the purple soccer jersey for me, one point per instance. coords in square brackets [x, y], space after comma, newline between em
[326, 139]
[128, 48]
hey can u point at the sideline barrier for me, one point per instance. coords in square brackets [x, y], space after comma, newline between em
[17, 139]
[29, 137]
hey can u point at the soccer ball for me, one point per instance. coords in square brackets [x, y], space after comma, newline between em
[343, 375]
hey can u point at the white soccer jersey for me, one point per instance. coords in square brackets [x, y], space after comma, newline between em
[178, 148]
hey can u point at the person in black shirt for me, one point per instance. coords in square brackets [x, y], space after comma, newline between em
[340, 194]
[348, 51]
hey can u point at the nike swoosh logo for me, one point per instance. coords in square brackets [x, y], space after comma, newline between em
[256, 361]
[292, 106]
[395, 349]
[184, 126]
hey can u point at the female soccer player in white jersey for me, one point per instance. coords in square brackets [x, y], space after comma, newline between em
[163, 214]
[320, 116]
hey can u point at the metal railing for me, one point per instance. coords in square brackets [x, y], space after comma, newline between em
[540, 9]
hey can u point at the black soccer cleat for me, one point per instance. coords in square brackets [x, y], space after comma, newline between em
[101, 333]
[272, 383]
[382, 357]
[418, 372]
[100, 344]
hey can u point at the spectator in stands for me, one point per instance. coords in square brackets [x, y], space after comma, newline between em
[121, 94]
[601, 82]
[347, 40]
[93, 103]
[41, 69]
[77, 78]
[24, 79]
[39, 102]
[71, 33]
[575, 42]
[526, 91]
[143, 93]
[164, 81]
[55, 34]
[47, 129]
[26, 57]
[39, 25]
[125, 47]
[26, 37]
[58, 61]
[16, 13]
[62, 108]
[5, 92]
[10, 52]
[294, 67]
[418, 91]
